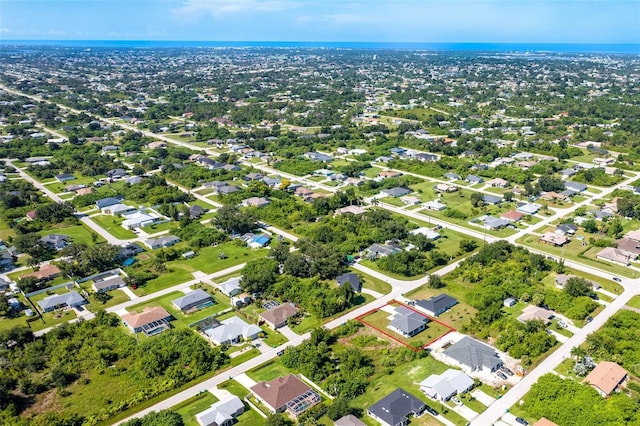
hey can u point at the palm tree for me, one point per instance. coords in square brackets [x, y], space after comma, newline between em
[578, 352]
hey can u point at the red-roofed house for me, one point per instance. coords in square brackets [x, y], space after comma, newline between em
[606, 377]
[512, 216]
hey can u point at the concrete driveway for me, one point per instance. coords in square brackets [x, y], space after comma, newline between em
[482, 397]
[288, 333]
[245, 380]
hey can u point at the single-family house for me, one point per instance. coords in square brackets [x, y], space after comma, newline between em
[71, 299]
[536, 313]
[226, 189]
[629, 245]
[139, 219]
[130, 250]
[106, 202]
[161, 242]
[600, 214]
[498, 183]
[317, 156]
[554, 239]
[259, 241]
[151, 321]
[116, 173]
[396, 192]
[349, 420]
[494, 223]
[286, 393]
[64, 177]
[452, 176]
[119, 209]
[398, 151]
[407, 322]
[633, 235]
[376, 250]
[389, 174]
[566, 229]
[529, 209]
[606, 378]
[46, 272]
[612, 254]
[567, 173]
[396, 408]
[278, 316]
[231, 287]
[436, 305]
[472, 355]
[443, 387]
[256, 202]
[193, 300]
[434, 205]
[355, 210]
[428, 233]
[445, 187]
[575, 186]
[55, 241]
[512, 216]
[491, 199]
[351, 279]
[253, 176]
[410, 200]
[473, 179]
[544, 422]
[232, 330]
[221, 413]
[107, 284]
[195, 211]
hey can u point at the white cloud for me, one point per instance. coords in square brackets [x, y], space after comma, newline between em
[196, 8]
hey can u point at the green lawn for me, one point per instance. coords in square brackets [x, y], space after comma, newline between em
[159, 227]
[112, 225]
[310, 322]
[457, 316]
[183, 320]
[117, 297]
[634, 302]
[6, 231]
[268, 371]
[570, 251]
[208, 261]
[79, 234]
[192, 406]
[373, 283]
[167, 279]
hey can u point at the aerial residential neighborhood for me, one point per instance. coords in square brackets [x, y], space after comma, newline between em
[318, 235]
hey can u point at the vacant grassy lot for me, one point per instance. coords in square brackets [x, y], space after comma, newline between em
[113, 226]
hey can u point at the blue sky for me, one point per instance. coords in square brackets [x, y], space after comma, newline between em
[491, 21]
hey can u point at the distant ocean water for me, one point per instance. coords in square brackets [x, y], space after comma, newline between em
[624, 48]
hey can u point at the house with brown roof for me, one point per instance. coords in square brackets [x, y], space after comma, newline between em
[531, 313]
[606, 378]
[629, 245]
[621, 257]
[512, 216]
[389, 174]
[152, 320]
[277, 316]
[287, 393]
[633, 235]
[46, 272]
[554, 239]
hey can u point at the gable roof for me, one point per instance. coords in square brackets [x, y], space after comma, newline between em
[280, 390]
[396, 407]
[606, 376]
[106, 202]
[196, 296]
[230, 286]
[398, 191]
[474, 354]
[165, 239]
[112, 281]
[349, 420]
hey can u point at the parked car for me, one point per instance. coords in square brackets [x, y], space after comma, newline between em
[522, 421]
[456, 401]
[589, 319]
[616, 279]
[431, 411]
[501, 375]
[563, 324]
[506, 370]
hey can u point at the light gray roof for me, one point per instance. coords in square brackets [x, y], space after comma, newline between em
[398, 191]
[196, 296]
[70, 299]
[474, 354]
[231, 329]
[576, 186]
[407, 320]
[349, 420]
[221, 412]
[165, 239]
[230, 286]
[491, 199]
[112, 281]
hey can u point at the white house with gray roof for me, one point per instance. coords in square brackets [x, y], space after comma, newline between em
[222, 413]
[192, 299]
[407, 322]
[55, 301]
